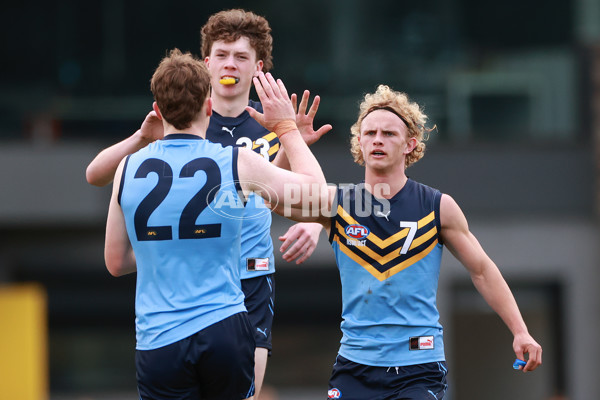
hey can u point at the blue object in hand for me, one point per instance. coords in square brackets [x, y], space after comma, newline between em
[519, 363]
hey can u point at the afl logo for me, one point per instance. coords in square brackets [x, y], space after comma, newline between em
[358, 232]
[334, 393]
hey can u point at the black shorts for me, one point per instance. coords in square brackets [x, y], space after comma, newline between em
[215, 363]
[353, 381]
[259, 299]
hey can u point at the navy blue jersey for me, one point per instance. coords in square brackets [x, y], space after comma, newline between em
[183, 214]
[257, 246]
[243, 131]
[389, 254]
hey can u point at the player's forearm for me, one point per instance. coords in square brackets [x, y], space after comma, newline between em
[281, 160]
[297, 213]
[101, 171]
[496, 292]
[118, 253]
[119, 264]
[301, 159]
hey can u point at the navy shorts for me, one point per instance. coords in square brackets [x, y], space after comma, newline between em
[215, 363]
[353, 381]
[259, 299]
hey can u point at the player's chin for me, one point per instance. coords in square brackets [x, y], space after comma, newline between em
[378, 163]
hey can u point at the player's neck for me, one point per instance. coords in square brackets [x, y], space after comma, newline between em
[229, 106]
[198, 128]
[391, 182]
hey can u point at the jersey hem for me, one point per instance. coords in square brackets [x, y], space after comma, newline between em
[404, 363]
[186, 330]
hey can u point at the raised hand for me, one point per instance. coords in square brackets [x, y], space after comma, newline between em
[305, 120]
[277, 106]
[152, 128]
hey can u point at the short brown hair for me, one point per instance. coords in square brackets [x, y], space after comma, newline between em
[398, 103]
[230, 25]
[180, 85]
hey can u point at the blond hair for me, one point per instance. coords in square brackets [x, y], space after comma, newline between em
[398, 103]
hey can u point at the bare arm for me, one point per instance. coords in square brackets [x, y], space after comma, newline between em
[118, 253]
[300, 240]
[101, 170]
[304, 215]
[487, 279]
[303, 187]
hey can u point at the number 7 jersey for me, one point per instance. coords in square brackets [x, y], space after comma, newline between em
[388, 253]
[184, 218]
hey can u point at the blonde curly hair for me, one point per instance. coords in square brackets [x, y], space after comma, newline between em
[398, 103]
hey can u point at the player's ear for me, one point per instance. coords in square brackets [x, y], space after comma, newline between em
[207, 61]
[155, 107]
[259, 67]
[410, 145]
[208, 103]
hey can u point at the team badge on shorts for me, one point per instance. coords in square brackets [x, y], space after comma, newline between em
[334, 393]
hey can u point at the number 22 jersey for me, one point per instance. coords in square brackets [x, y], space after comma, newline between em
[183, 217]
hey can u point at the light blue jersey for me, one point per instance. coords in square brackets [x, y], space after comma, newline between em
[183, 215]
[389, 259]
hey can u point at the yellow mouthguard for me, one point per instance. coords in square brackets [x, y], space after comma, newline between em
[228, 81]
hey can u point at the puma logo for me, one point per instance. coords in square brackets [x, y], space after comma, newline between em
[381, 214]
[264, 332]
[224, 128]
